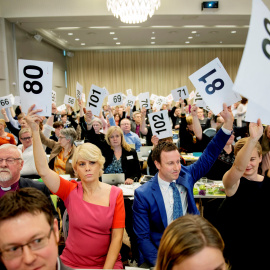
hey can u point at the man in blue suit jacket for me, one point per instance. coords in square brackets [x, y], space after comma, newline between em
[153, 202]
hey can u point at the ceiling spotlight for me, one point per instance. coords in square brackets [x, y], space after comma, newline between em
[233, 32]
[153, 42]
[112, 33]
[77, 39]
[38, 37]
[193, 32]
[153, 38]
[190, 37]
[70, 34]
[82, 44]
[118, 43]
[115, 38]
[187, 42]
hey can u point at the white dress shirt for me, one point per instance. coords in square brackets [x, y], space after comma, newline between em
[167, 194]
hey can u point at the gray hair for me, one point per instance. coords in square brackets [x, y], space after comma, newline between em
[7, 146]
[70, 134]
[96, 120]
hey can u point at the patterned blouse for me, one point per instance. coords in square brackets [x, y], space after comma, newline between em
[115, 166]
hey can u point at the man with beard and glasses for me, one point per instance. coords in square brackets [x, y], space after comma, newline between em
[11, 164]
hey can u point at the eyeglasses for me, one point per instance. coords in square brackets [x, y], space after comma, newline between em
[26, 138]
[36, 244]
[9, 161]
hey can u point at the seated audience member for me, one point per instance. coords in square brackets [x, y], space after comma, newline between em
[29, 167]
[15, 130]
[97, 126]
[11, 164]
[136, 122]
[28, 232]
[191, 243]
[161, 200]
[205, 122]
[265, 143]
[62, 151]
[5, 137]
[150, 163]
[96, 210]
[224, 161]
[175, 115]
[117, 119]
[130, 137]
[146, 129]
[241, 113]
[242, 219]
[58, 125]
[192, 139]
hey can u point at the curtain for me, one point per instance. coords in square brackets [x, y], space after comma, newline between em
[157, 71]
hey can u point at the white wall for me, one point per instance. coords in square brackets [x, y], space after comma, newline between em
[26, 47]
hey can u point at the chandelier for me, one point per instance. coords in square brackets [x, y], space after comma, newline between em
[133, 11]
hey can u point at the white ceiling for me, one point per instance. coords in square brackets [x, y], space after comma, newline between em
[168, 30]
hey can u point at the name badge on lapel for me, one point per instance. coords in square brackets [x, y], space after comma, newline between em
[129, 157]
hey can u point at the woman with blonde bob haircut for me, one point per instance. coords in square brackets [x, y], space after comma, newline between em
[191, 242]
[119, 156]
[96, 210]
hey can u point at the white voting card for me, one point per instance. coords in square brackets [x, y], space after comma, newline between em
[12, 98]
[95, 99]
[68, 100]
[160, 124]
[255, 111]
[252, 80]
[83, 97]
[198, 100]
[181, 92]
[5, 102]
[35, 85]
[144, 100]
[214, 85]
[79, 90]
[115, 99]
[159, 102]
[61, 107]
[191, 95]
[169, 98]
[129, 92]
[153, 97]
[17, 101]
[53, 96]
[130, 101]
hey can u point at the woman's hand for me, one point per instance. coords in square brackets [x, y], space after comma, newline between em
[256, 130]
[128, 181]
[33, 119]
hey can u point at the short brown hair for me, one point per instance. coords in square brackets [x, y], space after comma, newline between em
[163, 146]
[58, 124]
[25, 200]
[238, 146]
[185, 237]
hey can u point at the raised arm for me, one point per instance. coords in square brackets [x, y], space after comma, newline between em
[232, 177]
[49, 177]
[143, 128]
[197, 128]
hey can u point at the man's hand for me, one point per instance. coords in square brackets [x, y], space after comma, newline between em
[227, 116]
[154, 140]
[143, 112]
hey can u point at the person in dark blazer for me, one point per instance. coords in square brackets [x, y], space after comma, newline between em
[154, 208]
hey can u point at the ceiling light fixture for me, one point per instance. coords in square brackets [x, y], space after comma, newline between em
[133, 11]
[70, 34]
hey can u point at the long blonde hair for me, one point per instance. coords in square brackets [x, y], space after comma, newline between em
[112, 129]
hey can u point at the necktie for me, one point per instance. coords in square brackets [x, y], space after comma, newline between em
[177, 204]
